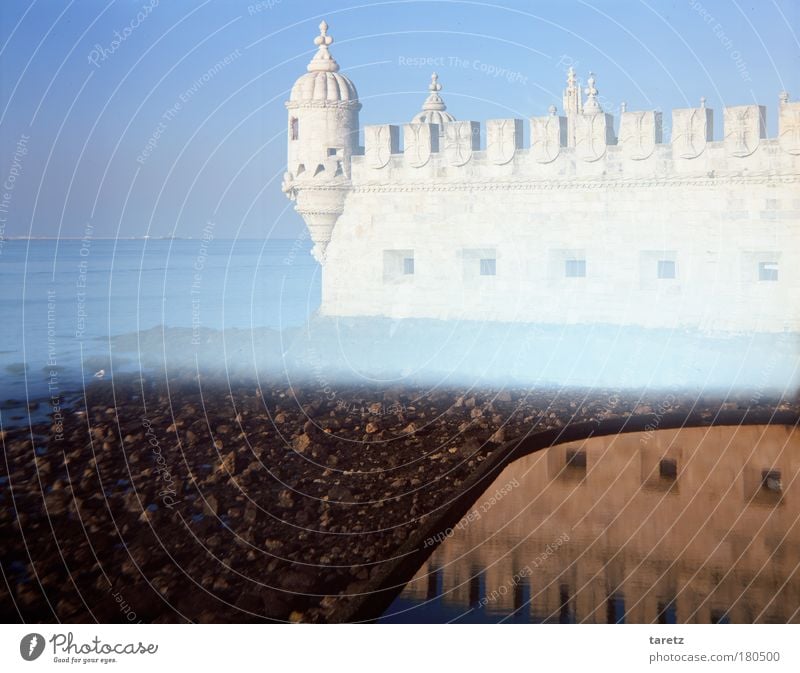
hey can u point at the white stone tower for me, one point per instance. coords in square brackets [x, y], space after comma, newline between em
[322, 136]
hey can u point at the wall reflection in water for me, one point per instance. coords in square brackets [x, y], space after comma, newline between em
[696, 525]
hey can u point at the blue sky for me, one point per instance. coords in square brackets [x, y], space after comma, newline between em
[104, 143]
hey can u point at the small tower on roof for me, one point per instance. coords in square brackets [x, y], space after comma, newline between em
[323, 135]
[434, 111]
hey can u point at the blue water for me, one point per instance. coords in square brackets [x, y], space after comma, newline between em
[62, 301]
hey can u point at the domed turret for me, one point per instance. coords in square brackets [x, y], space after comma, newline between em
[434, 111]
[322, 136]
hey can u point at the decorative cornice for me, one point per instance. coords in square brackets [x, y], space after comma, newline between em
[567, 184]
[342, 104]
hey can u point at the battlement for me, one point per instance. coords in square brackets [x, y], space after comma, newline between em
[582, 144]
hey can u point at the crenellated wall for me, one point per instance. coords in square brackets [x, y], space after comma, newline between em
[619, 228]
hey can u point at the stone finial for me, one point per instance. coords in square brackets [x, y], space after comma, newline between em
[703, 102]
[783, 97]
[572, 101]
[623, 106]
[572, 80]
[434, 100]
[323, 61]
[552, 110]
[592, 105]
[434, 109]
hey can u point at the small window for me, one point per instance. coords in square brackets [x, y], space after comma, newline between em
[293, 128]
[768, 271]
[575, 268]
[488, 266]
[398, 266]
[666, 268]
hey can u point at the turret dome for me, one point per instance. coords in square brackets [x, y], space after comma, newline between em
[323, 83]
[434, 111]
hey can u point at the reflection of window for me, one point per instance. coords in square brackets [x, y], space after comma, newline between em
[488, 266]
[408, 266]
[293, 128]
[666, 268]
[768, 271]
[668, 468]
[575, 268]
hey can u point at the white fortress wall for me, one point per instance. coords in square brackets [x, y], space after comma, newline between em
[597, 221]
[715, 210]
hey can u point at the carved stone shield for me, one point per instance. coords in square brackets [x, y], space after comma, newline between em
[378, 145]
[744, 128]
[591, 135]
[690, 132]
[503, 138]
[417, 140]
[789, 128]
[546, 136]
[639, 133]
[459, 141]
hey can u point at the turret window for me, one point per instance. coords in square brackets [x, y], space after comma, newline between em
[768, 271]
[294, 130]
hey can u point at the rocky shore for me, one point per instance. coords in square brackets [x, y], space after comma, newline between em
[194, 501]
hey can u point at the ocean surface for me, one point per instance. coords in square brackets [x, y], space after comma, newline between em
[63, 302]
[76, 310]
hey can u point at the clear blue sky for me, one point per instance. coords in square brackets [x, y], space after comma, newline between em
[86, 109]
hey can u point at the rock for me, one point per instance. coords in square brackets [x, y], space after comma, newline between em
[372, 428]
[285, 499]
[301, 443]
[499, 436]
[340, 493]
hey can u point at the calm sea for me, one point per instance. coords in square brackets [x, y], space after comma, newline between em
[62, 300]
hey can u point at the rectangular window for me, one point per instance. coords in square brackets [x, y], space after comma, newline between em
[768, 271]
[666, 268]
[293, 128]
[398, 266]
[488, 266]
[333, 151]
[575, 268]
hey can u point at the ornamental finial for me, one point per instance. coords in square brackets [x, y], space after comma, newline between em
[323, 61]
[592, 104]
[434, 100]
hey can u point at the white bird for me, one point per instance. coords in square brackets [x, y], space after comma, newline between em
[100, 374]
